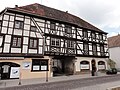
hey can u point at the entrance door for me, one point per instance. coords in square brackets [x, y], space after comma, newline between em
[5, 72]
[93, 65]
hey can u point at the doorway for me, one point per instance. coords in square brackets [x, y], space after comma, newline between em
[93, 65]
[6, 70]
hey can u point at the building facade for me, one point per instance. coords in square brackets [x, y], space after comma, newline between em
[114, 49]
[36, 41]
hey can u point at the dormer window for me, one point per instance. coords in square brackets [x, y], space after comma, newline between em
[19, 24]
[68, 29]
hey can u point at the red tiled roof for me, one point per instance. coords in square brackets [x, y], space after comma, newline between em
[48, 12]
[114, 41]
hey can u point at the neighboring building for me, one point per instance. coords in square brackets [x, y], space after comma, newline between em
[35, 38]
[114, 49]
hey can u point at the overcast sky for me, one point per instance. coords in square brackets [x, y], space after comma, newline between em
[104, 14]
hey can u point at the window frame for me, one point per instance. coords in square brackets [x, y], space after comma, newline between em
[68, 29]
[52, 26]
[102, 51]
[94, 49]
[37, 62]
[20, 23]
[55, 40]
[34, 28]
[2, 36]
[85, 34]
[16, 42]
[33, 39]
[85, 44]
[70, 44]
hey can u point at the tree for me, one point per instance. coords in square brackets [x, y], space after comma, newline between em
[111, 63]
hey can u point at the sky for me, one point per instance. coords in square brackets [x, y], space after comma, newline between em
[104, 14]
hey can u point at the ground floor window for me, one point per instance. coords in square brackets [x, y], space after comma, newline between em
[101, 65]
[39, 65]
[84, 65]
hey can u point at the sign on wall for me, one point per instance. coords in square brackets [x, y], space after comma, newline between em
[26, 65]
[84, 66]
[44, 67]
[15, 72]
[36, 67]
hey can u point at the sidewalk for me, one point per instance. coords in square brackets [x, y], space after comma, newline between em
[10, 83]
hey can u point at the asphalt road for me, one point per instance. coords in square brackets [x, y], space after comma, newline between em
[67, 85]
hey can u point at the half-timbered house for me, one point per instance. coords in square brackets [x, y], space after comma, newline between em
[36, 39]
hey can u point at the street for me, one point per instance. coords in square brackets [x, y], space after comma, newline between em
[75, 84]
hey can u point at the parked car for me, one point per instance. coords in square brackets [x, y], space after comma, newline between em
[111, 71]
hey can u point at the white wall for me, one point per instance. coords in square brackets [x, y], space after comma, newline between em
[115, 55]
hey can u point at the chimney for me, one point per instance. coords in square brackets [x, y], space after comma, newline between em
[16, 6]
[66, 11]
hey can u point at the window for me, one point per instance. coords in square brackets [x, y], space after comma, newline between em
[1, 41]
[16, 41]
[55, 42]
[52, 25]
[0, 23]
[70, 44]
[93, 35]
[33, 28]
[94, 49]
[85, 34]
[102, 50]
[18, 24]
[68, 29]
[33, 43]
[39, 65]
[100, 37]
[86, 48]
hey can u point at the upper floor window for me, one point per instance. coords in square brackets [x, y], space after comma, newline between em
[16, 41]
[70, 44]
[33, 28]
[85, 34]
[55, 42]
[100, 37]
[19, 24]
[0, 23]
[102, 50]
[1, 41]
[33, 43]
[68, 29]
[86, 48]
[93, 35]
[94, 49]
[52, 25]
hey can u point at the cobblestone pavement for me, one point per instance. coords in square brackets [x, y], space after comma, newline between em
[68, 85]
